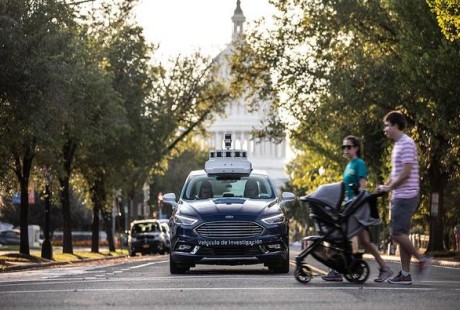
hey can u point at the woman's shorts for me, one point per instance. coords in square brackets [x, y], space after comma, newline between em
[402, 210]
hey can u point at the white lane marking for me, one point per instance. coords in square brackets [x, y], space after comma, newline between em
[148, 264]
[310, 286]
[52, 274]
[341, 288]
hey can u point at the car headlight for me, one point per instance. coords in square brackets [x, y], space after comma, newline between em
[180, 219]
[275, 219]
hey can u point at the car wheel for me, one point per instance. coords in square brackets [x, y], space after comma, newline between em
[280, 267]
[162, 249]
[133, 253]
[175, 268]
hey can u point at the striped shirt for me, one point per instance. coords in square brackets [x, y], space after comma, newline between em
[405, 152]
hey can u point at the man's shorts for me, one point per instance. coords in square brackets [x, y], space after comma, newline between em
[402, 210]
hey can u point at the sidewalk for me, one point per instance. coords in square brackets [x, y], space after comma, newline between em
[437, 261]
[43, 263]
[13, 261]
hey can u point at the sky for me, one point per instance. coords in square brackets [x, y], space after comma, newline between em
[184, 26]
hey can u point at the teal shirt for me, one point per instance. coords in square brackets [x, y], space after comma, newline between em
[354, 171]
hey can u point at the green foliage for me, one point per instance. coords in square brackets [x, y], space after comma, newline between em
[337, 67]
[37, 42]
[189, 157]
[448, 17]
[79, 95]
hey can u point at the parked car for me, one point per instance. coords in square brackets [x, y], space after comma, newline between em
[167, 233]
[229, 214]
[9, 237]
[145, 237]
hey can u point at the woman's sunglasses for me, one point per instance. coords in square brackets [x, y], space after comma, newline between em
[347, 147]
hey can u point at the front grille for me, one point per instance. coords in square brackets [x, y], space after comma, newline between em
[229, 229]
[233, 251]
[145, 239]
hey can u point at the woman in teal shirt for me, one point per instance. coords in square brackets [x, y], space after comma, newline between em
[356, 173]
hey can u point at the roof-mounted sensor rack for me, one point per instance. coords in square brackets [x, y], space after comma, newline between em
[228, 160]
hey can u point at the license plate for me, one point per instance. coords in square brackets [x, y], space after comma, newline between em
[146, 246]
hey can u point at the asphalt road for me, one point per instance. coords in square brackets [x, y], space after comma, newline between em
[145, 283]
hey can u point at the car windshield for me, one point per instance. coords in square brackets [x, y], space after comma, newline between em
[145, 227]
[206, 187]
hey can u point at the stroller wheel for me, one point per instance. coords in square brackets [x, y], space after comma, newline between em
[303, 274]
[358, 272]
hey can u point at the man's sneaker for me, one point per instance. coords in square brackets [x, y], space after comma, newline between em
[333, 276]
[384, 274]
[423, 267]
[400, 279]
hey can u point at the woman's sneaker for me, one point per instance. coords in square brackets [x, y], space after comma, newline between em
[384, 274]
[400, 279]
[333, 276]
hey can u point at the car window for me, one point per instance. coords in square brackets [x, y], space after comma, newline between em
[145, 227]
[254, 187]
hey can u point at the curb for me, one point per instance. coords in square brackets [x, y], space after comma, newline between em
[435, 261]
[53, 264]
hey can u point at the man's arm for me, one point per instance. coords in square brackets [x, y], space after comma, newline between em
[402, 177]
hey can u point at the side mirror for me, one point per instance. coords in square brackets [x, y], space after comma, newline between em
[286, 197]
[170, 198]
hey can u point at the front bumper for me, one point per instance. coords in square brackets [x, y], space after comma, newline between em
[263, 249]
[145, 247]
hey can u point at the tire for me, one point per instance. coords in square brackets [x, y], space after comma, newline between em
[279, 267]
[358, 272]
[175, 268]
[162, 249]
[303, 274]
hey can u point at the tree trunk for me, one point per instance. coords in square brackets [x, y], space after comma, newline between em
[436, 243]
[95, 230]
[108, 229]
[24, 218]
[67, 246]
[98, 198]
[23, 174]
[438, 182]
[68, 152]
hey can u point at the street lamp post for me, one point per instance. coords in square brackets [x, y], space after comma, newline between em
[47, 249]
[119, 222]
[160, 205]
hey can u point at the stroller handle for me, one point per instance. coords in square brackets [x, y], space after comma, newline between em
[356, 190]
[378, 194]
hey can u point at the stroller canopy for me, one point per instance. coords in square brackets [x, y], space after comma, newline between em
[326, 205]
[330, 194]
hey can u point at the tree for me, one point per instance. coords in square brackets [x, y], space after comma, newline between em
[188, 156]
[338, 67]
[448, 17]
[33, 34]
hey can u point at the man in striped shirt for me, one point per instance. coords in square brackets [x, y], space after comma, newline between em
[404, 185]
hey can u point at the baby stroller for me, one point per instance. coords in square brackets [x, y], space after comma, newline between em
[335, 225]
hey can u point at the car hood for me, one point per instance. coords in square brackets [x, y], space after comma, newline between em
[225, 207]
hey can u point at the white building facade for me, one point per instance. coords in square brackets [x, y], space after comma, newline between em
[240, 122]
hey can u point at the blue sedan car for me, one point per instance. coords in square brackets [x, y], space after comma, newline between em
[229, 214]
